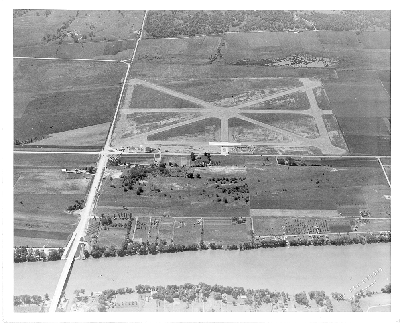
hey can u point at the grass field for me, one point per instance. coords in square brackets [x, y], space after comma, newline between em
[358, 99]
[42, 193]
[319, 187]
[64, 96]
[186, 231]
[243, 131]
[183, 50]
[348, 48]
[222, 231]
[95, 34]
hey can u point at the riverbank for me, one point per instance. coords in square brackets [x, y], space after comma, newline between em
[206, 298]
[130, 248]
[293, 269]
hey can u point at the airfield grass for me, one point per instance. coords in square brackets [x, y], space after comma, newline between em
[61, 96]
[301, 125]
[215, 90]
[144, 97]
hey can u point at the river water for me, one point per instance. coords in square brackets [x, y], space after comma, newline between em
[292, 270]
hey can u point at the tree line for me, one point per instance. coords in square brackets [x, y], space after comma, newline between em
[129, 247]
[26, 254]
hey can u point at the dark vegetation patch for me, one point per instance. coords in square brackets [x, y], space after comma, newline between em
[363, 126]
[61, 96]
[369, 145]
[173, 23]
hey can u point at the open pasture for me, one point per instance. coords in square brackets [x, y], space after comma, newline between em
[59, 97]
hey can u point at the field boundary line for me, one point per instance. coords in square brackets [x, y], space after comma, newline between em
[56, 152]
[383, 169]
[64, 59]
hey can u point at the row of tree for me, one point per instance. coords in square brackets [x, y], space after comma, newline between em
[129, 247]
[30, 300]
[26, 254]
[161, 24]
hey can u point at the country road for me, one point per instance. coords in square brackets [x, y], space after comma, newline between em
[91, 197]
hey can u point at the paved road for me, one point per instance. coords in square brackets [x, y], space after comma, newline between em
[91, 198]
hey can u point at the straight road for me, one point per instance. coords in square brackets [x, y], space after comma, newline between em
[91, 198]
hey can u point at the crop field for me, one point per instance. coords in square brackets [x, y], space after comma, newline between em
[187, 231]
[142, 229]
[320, 187]
[166, 230]
[349, 99]
[224, 232]
[178, 50]
[97, 34]
[42, 193]
[341, 49]
[67, 103]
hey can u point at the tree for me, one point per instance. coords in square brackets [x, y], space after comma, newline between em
[46, 297]
[387, 289]
[17, 300]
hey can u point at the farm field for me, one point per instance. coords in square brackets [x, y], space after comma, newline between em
[336, 188]
[343, 49]
[42, 193]
[222, 231]
[88, 34]
[73, 102]
[178, 50]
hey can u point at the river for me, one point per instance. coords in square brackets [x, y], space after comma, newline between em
[292, 270]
